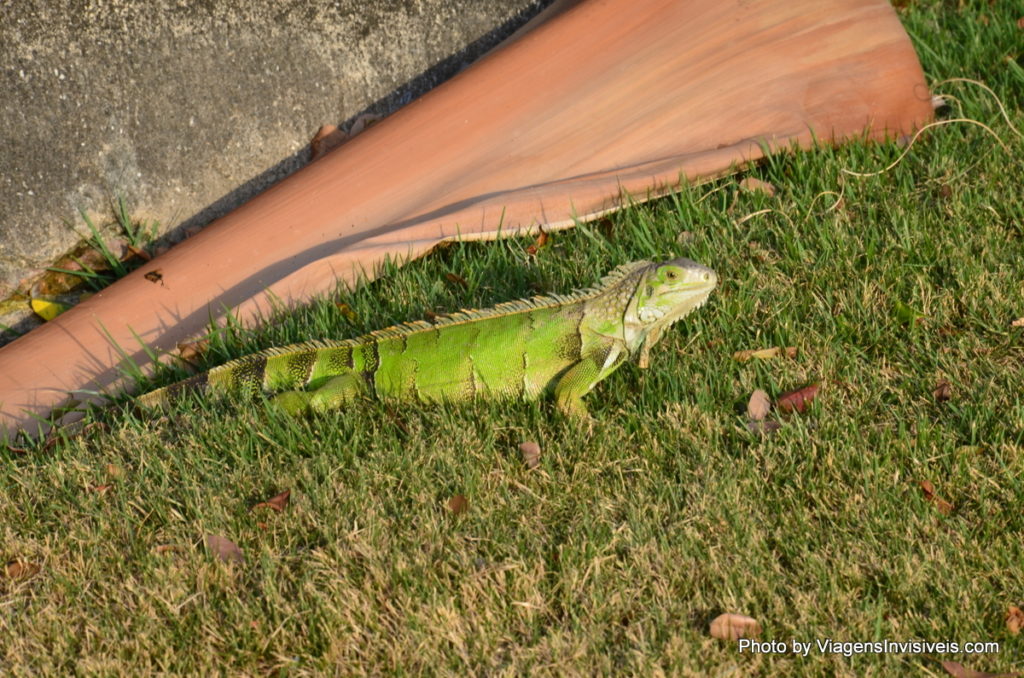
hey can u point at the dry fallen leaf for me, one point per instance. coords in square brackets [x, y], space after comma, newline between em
[224, 549]
[277, 503]
[167, 548]
[139, 252]
[1019, 322]
[734, 626]
[798, 400]
[154, 276]
[458, 504]
[750, 184]
[457, 280]
[21, 569]
[958, 670]
[765, 353]
[531, 454]
[541, 241]
[941, 504]
[102, 489]
[327, 138]
[943, 391]
[190, 350]
[113, 471]
[758, 405]
[1014, 619]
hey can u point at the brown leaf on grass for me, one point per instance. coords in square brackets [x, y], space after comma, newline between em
[540, 242]
[276, 503]
[113, 471]
[1019, 322]
[958, 670]
[161, 549]
[190, 350]
[750, 184]
[328, 137]
[758, 405]
[457, 279]
[21, 569]
[730, 626]
[941, 504]
[531, 454]
[943, 391]
[18, 451]
[1014, 619]
[102, 489]
[765, 353]
[458, 504]
[798, 400]
[225, 549]
[1020, 23]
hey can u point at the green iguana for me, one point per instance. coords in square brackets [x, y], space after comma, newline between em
[558, 344]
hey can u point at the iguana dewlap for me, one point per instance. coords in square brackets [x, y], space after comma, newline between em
[558, 344]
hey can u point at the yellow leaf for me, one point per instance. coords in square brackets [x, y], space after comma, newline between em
[765, 353]
[346, 311]
[48, 310]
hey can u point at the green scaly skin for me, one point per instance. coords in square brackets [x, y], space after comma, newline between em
[561, 345]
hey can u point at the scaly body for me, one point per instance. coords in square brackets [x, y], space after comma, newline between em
[559, 344]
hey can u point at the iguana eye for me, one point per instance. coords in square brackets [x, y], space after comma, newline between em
[671, 275]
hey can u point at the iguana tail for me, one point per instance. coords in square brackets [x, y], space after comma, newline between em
[287, 367]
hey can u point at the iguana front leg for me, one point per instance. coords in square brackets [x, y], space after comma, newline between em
[644, 361]
[579, 379]
[337, 391]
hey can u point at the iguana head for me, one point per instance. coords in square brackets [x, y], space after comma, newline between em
[664, 293]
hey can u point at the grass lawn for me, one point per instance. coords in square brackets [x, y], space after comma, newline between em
[613, 555]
